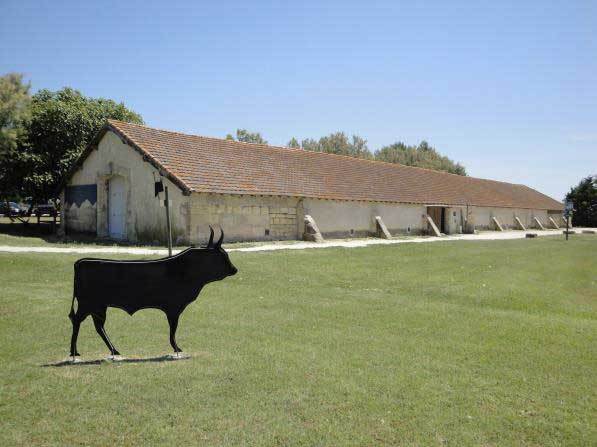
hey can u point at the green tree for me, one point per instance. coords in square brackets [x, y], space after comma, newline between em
[359, 149]
[244, 136]
[336, 143]
[339, 144]
[584, 197]
[309, 144]
[423, 156]
[60, 126]
[14, 107]
[294, 144]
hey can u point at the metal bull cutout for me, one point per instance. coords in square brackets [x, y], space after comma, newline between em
[169, 284]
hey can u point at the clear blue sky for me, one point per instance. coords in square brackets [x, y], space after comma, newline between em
[509, 89]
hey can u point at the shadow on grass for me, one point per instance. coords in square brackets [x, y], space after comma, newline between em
[45, 231]
[30, 229]
[160, 359]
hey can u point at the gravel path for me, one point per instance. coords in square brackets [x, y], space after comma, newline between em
[483, 236]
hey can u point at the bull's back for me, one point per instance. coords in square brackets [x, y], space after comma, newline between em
[130, 285]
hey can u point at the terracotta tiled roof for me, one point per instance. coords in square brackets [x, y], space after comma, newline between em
[202, 164]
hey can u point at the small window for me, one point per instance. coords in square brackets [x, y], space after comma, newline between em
[408, 229]
[267, 231]
[454, 213]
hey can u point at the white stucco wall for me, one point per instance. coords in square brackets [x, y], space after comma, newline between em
[558, 217]
[145, 218]
[483, 217]
[338, 218]
[454, 220]
[401, 218]
[83, 218]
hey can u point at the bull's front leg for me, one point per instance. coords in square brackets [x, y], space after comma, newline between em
[173, 321]
[99, 318]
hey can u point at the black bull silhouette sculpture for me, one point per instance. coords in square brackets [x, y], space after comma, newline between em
[169, 284]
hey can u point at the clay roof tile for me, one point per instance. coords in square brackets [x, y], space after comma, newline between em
[204, 164]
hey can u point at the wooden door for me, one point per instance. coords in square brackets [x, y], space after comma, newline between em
[437, 214]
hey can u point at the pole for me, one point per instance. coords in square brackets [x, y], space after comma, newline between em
[567, 222]
[167, 203]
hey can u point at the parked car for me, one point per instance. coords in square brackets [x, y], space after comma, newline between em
[24, 208]
[45, 210]
[11, 209]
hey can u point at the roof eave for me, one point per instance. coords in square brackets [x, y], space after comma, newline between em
[149, 158]
[108, 127]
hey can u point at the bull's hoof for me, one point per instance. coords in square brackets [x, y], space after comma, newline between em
[76, 354]
[115, 353]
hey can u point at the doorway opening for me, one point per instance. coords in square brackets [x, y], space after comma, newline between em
[438, 214]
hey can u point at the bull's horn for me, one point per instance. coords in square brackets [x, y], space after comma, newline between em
[219, 243]
[211, 237]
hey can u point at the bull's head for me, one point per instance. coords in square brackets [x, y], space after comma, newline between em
[219, 260]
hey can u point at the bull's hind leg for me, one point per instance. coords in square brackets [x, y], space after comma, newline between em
[99, 318]
[77, 319]
[173, 321]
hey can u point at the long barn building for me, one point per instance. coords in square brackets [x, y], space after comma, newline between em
[260, 192]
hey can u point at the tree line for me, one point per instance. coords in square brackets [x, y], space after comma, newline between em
[422, 155]
[584, 198]
[42, 135]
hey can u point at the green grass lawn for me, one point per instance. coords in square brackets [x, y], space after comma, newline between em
[451, 343]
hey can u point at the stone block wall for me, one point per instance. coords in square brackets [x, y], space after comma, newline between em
[283, 222]
[245, 217]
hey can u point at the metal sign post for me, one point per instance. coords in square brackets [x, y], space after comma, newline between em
[158, 188]
[169, 228]
[568, 214]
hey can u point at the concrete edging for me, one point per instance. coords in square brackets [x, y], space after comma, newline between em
[355, 243]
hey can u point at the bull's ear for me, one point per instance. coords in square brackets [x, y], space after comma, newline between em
[211, 237]
[219, 243]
